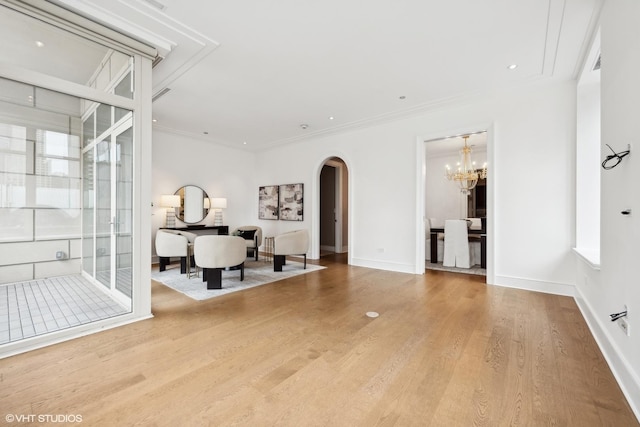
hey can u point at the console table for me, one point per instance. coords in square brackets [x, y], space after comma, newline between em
[202, 229]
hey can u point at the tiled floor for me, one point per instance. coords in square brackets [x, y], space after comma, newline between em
[37, 307]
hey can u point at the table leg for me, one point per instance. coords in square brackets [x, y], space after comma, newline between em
[434, 248]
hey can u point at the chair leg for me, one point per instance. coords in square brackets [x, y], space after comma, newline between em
[164, 261]
[242, 272]
[305, 261]
[183, 265]
[255, 250]
[278, 262]
[214, 278]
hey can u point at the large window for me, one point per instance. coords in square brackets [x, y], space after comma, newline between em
[588, 160]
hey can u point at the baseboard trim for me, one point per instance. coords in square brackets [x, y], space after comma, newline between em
[535, 285]
[620, 367]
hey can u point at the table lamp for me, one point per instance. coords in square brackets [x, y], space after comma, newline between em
[217, 204]
[171, 202]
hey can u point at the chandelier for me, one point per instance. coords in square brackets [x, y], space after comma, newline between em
[466, 175]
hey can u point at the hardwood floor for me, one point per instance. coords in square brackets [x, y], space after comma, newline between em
[446, 350]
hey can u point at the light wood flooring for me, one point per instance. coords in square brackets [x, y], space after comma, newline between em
[446, 350]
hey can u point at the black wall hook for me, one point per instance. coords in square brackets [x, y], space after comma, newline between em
[614, 159]
[616, 316]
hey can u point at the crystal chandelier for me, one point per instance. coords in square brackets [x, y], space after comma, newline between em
[466, 175]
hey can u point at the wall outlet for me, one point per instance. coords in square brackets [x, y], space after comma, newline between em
[622, 322]
[60, 255]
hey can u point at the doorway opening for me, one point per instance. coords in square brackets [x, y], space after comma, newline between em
[334, 207]
[446, 198]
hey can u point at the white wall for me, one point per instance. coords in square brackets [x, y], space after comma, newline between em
[530, 224]
[218, 170]
[534, 131]
[600, 293]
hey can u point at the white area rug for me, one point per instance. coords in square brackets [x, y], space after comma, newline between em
[256, 273]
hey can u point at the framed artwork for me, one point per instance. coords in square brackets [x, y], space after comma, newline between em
[291, 202]
[268, 202]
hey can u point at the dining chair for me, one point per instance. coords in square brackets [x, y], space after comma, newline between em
[428, 223]
[456, 244]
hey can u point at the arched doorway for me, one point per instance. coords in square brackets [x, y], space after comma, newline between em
[333, 207]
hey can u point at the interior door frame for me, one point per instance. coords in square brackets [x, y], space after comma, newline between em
[339, 209]
[421, 160]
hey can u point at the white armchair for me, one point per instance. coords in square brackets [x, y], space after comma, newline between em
[173, 243]
[291, 243]
[252, 235]
[215, 253]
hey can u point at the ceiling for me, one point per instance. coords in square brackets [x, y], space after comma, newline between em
[249, 74]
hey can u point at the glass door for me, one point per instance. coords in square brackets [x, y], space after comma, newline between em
[108, 206]
[122, 167]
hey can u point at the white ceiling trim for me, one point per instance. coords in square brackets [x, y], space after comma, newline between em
[554, 30]
[347, 127]
[200, 136]
[180, 39]
[459, 100]
[73, 23]
[121, 24]
[587, 55]
[185, 67]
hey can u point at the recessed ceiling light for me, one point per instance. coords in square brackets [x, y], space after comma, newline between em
[331, 117]
[512, 66]
[402, 97]
[244, 143]
[304, 126]
[206, 133]
[154, 120]
[39, 43]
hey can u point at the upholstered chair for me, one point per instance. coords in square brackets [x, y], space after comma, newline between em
[291, 243]
[173, 243]
[252, 234]
[456, 244]
[428, 223]
[215, 253]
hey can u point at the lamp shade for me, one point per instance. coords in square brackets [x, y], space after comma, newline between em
[170, 200]
[219, 203]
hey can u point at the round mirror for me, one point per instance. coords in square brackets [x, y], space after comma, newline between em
[194, 204]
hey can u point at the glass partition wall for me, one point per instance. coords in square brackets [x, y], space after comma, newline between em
[71, 155]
